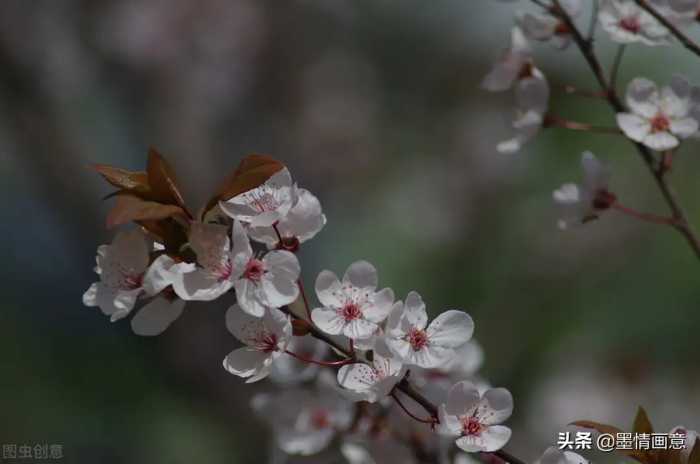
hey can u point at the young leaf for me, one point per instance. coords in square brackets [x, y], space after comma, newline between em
[132, 208]
[642, 424]
[136, 181]
[162, 180]
[253, 171]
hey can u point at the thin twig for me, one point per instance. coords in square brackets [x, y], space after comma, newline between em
[677, 33]
[646, 217]
[342, 362]
[555, 121]
[430, 421]
[681, 223]
[616, 67]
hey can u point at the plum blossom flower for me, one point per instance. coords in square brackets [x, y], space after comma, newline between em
[553, 455]
[414, 342]
[263, 205]
[214, 275]
[266, 338]
[692, 439]
[375, 382]
[548, 27]
[165, 307]
[626, 22]
[270, 282]
[474, 417]
[516, 60]
[304, 422]
[352, 307]
[658, 119]
[580, 204]
[303, 221]
[532, 100]
[121, 267]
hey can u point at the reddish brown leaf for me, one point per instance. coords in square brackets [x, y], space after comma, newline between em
[162, 180]
[136, 181]
[132, 208]
[694, 457]
[253, 171]
[642, 424]
[612, 430]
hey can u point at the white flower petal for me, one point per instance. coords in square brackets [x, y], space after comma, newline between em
[156, 316]
[414, 310]
[462, 397]
[451, 329]
[245, 362]
[200, 285]
[382, 304]
[500, 406]
[660, 141]
[359, 328]
[327, 286]
[249, 298]
[327, 320]
[684, 128]
[634, 127]
[361, 274]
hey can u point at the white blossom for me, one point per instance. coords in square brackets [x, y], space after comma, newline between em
[303, 422]
[165, 307]
[263, 205]
[373, 382]
[266, 338]
[548, 27]
[475, 418]
[511, 65]
[214, 276]
[658, 119]
[553, 455]
[352, 307]
[303, 221]
[121, 267]
[626, 22]
[532, 101]
[409, 336]
[270, 281]
[582, 203]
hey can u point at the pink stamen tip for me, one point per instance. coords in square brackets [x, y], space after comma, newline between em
[254, 270]
[350, 312]
[418, 339]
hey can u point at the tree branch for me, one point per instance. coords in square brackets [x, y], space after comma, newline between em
[681, 223]
[677, 33]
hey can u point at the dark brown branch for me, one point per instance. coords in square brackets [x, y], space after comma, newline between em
[677, 33]
[680, 223]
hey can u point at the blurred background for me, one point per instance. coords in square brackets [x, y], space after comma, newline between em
[375, 107]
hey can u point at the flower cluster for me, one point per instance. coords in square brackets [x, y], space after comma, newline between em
[655, 119]
[387, 351]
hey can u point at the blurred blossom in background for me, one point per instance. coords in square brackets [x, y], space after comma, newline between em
[375, 106]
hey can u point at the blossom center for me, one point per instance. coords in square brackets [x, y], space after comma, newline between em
[660, 123]
[603, 199]
[133, 281]
[267, 343]
[471, 426]
[320, 419]
[351, 311]
[630, 24]
[418, 339]
[254, 270]
[562, 29]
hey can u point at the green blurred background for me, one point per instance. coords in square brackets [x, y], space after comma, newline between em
[375, 106]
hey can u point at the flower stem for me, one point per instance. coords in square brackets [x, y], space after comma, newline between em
[509, 458]
[342, 362]
[304, 298]
[647, 217]
[432, 420]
